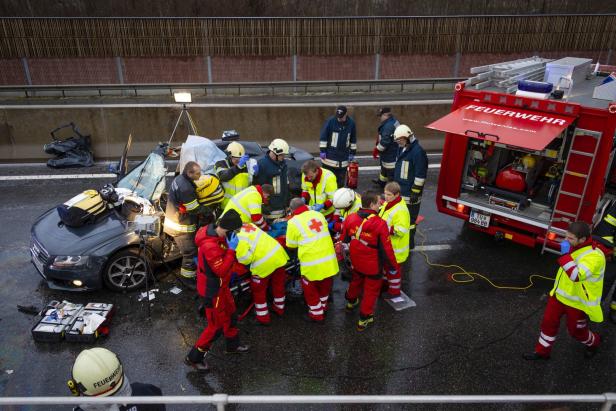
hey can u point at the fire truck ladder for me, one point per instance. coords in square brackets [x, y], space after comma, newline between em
[583, 155]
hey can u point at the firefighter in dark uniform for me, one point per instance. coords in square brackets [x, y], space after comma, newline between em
[338, 144]
[604, 235]
[272, 169]
[232, 171]
[386, 148]
[182, 215]
[410, 172]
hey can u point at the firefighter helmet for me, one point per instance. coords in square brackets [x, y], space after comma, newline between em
[279, 146]
[403, 131]
[235, 149]
[97, 372]
[343, 198]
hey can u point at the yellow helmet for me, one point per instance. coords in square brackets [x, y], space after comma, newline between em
[235, 149]
[97, 372]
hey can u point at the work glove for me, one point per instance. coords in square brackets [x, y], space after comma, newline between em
[317, 207]
[565, 247]
[233, 241]
[243, 160]
[351, 157]
[322, 155]
[414, 198]
[331, 225]
[375, 153]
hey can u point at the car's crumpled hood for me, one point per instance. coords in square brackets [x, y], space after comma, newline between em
[58, 239]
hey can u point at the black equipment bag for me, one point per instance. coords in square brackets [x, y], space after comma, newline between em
[82, 209]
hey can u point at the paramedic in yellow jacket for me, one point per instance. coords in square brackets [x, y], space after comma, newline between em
[266, 259]
[396, 214]
[576, 293]
[249, 204]
[318, 188]
[309, 239]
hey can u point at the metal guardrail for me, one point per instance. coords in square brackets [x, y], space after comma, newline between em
[605, 400]
[209, 89]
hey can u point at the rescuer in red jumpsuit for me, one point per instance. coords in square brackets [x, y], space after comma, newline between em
[217, 243]
[371, 255]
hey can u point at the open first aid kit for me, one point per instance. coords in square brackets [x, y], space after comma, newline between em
[73, 322]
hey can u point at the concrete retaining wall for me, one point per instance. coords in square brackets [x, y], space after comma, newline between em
[24, 130]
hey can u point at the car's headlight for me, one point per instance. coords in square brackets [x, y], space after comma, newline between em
[69, 261]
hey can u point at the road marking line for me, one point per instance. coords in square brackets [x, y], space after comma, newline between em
[435, 247]
[376, 168]
[230, 105]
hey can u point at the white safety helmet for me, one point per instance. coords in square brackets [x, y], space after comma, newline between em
[96, 372]
[343, 198]
[279, 146]
[403, 131]
[235, 149]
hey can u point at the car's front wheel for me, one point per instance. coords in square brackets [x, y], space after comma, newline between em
[125, 271]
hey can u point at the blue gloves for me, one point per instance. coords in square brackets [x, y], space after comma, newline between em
[322, 155]
[243, 160]
[331, 225]
[233, 241]
[317, 207]
[255, 169]
[565, 247]
[351, 157]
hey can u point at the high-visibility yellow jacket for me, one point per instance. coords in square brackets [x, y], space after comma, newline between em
[260, 251]
[248, 204]
[234, 179]
[307, 231]
[579, 281]
[322, 192]
[396, 215]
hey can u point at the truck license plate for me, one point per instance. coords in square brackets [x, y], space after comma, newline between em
[480, 219]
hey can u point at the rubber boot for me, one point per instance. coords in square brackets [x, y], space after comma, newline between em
[364, 322]
[234, 346]
[196, 359]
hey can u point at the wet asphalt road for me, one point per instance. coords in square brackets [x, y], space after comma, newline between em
[460, 339]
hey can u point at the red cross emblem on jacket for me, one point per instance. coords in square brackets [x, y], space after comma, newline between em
[315, 225]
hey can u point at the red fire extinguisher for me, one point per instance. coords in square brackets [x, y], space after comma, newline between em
[353, 174]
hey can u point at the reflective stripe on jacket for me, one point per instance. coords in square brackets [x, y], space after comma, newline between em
[323, 191]
[260, 251]
[396, 215]
[247, 203]
[182, 203]
[411, 169]
[579, 281]
[387, 147]
[338, 140]
[233, 178]
[315, 250]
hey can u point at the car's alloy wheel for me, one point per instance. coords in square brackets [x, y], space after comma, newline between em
[125, 271]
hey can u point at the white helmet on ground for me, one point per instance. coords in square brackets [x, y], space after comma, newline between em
[343, 198]
[403, 131]
[279, 146]
[235, 149]
[97, 372]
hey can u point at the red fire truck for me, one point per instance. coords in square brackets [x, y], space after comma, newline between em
[522, 166]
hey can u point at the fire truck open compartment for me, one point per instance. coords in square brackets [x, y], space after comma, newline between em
[499, 177]
[523, 165]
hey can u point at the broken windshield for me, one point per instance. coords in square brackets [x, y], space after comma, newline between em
[147, 180]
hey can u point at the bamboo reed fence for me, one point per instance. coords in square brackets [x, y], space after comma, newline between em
[144, 37]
